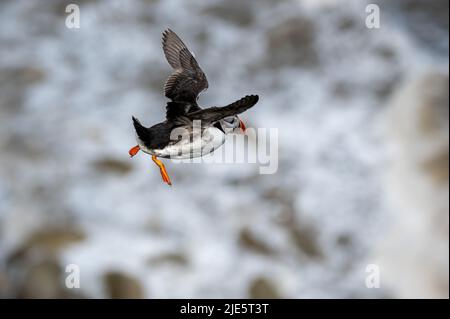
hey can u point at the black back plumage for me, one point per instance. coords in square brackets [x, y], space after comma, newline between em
[155, 137]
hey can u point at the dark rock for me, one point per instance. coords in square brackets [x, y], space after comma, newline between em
[248, 241]
[437, 167]
[385, 52]
[111, 165]
[263, 288]
[291, 43]
[427, 21]
[42, 280]
[33, 268]
[434, 109]
[346, 23]
[306, 240]
[4, 285]
[235, 12]
[122, 286]
[384, 89]
[45, 280]
[342, 90]
[304, 237]
[280, 195]
[47, 242]
[344, 240]
[13, 84]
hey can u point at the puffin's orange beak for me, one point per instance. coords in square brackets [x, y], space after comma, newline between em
[242, 125]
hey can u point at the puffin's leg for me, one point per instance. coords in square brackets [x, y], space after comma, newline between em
[162, 169]
[134, 150]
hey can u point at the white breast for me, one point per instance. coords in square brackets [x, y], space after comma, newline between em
[202, 144]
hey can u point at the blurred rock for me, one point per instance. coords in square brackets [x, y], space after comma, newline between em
[46, 242]
[111, 165]
[291, 43]
[386, 52]
[263, 288]
[122, 286]
[344, 240]
[24, 146]
[14, 83]
[437, 167]
[4, 285]
[284, 196]
[414, 257]
[346, 23]
[342, 89]
[248, 241]
[303, 236]
[33, 268]
[384, 89]
[45, 280]
[427, 21]
[235, 12]
[305, 240]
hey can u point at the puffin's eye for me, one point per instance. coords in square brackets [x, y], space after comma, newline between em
[229, 120]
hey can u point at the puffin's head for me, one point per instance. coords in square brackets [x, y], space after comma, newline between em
[231, 123]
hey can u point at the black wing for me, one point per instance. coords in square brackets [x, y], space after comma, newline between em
[177, 109]
[214, 114]
[188, 80]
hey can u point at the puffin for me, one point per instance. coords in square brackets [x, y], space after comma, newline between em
[188, 131]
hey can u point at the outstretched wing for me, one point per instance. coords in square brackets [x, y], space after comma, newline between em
[188, 80]
[214, 114]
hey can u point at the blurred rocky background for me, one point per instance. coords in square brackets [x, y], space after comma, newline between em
[363, 120]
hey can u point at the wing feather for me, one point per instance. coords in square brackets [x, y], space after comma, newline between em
[188, 80]
[214, 114]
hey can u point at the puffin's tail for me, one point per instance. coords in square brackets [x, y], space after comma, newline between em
[141, 131]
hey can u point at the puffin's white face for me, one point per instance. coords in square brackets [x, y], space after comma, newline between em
[231, 123]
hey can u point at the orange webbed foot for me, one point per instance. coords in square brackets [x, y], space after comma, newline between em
[163, 171]
[134, 150]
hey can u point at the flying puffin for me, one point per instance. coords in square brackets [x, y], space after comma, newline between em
[188, 131]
